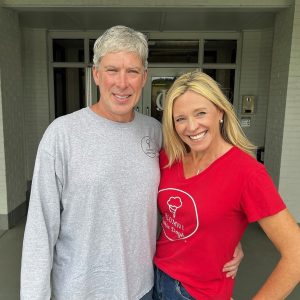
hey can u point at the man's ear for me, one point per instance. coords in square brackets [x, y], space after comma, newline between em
[96, 74]
[145, 77]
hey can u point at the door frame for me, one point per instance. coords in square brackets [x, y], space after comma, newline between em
[145, 103]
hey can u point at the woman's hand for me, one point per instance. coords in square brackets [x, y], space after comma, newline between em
[232, 266]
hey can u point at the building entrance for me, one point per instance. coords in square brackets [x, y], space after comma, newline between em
[158, 82]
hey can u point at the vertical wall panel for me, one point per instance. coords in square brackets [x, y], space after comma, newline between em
[12, 113]
[289, 184]
[255, 78]
[36, 94]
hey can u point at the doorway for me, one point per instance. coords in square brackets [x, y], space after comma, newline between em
[158, 83]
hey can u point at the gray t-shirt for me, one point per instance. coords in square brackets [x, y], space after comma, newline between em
[91, 225]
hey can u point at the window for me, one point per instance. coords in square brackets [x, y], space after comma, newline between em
[220, 51]
[173, 51]
[219, 62]
[225, 77]
[68, 50]
[91, 49]
[69, 90]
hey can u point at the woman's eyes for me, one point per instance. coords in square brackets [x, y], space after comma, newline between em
[198, 114]
[179, 119]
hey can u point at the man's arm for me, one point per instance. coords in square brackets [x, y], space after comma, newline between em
[41, 231]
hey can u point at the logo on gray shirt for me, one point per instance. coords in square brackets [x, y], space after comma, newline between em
[149, 147]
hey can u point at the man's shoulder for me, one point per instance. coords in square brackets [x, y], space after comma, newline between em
[147, 120]
[71, 117]
[63, 126]
[69, 120]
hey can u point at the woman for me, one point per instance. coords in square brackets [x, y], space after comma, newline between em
[211, 188]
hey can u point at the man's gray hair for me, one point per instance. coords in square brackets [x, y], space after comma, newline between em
[121, 38]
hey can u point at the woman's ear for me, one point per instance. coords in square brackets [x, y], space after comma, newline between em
[221, 119]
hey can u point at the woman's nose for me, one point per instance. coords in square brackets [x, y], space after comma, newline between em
[192, 124]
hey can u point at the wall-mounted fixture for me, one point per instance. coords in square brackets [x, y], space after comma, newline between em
[246, 121]
[248, 105]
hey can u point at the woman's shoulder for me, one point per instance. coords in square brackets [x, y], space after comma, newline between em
[163, 157]
[244, 161]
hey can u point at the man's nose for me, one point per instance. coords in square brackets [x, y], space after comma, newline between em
[122, 80]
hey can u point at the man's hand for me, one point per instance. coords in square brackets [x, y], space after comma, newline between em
[232, 266]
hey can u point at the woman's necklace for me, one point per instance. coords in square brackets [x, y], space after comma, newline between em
[194, 168]
[200, 166]
[199, 170]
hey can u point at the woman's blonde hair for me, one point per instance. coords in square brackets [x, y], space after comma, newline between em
[205, 86]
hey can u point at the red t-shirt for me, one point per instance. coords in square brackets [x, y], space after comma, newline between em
[205, 216]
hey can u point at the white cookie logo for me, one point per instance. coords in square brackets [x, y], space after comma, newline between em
[148, 146]
[174, 203]
[180, 215]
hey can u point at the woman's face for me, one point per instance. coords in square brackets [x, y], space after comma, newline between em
[197, 121]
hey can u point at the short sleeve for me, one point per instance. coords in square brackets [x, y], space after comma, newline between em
[260, 196]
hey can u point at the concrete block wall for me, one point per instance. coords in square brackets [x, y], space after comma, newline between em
[289, 183]
[254, 79]
[36, 91]
[12, 123]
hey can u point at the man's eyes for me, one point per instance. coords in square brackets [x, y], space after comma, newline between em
[133, 71]
[129, 71]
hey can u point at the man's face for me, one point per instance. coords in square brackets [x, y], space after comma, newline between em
[120, 77]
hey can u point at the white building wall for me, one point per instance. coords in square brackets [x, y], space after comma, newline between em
[255, 78]
[12, 117]
[36, 92]
[278, 89]
[289, 181]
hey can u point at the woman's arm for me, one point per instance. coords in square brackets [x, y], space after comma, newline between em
[284, 232]
[232, 266]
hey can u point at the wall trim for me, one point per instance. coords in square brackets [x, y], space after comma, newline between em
[9, 220]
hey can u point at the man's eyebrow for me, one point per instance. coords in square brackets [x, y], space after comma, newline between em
[135, 68]
[110, 66]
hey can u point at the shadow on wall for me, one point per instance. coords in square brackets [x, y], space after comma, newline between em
[260, 259]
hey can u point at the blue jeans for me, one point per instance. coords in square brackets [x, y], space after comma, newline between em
[167, 288]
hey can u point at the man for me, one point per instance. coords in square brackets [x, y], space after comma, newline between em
[91, 225]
